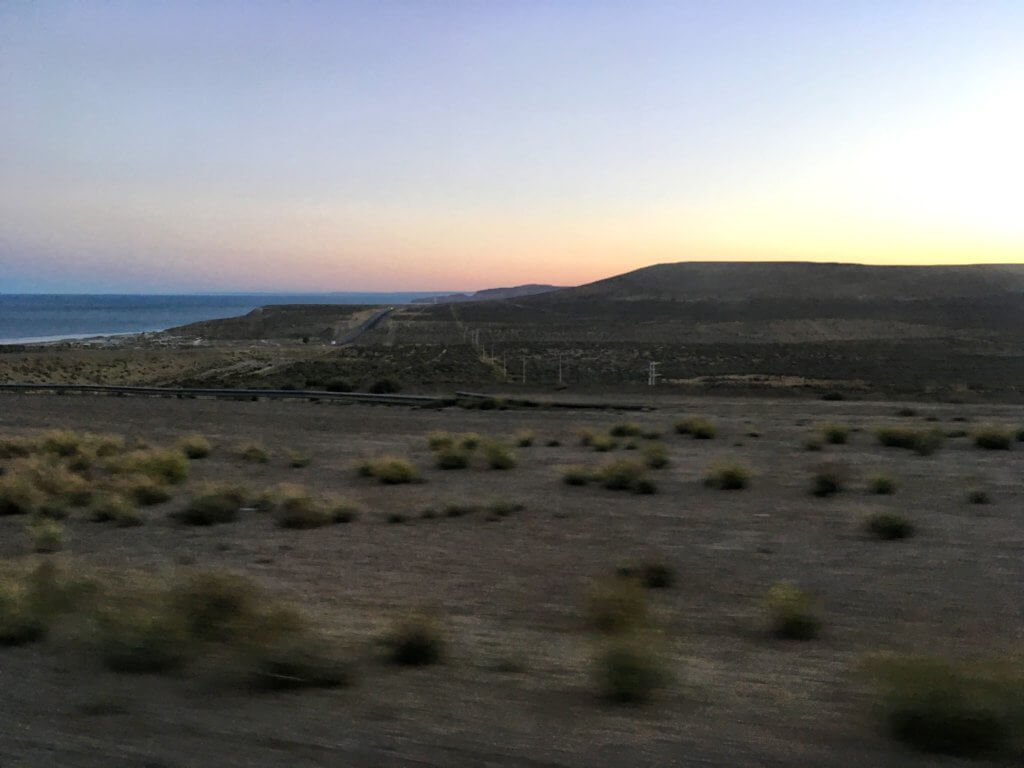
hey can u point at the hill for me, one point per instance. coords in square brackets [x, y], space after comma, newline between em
[938, 331]
[490, 294]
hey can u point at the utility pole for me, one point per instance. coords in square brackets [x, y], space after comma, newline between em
[652, 374]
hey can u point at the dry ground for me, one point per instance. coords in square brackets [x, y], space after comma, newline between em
[514, 590]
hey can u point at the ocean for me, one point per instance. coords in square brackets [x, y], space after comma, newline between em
[33, 318]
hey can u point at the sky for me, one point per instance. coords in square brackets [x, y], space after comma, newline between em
[444, 145]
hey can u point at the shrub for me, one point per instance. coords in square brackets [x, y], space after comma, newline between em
[213, 505]
[416, 641]
[626, 429]
[111, 507]
[727, 476]
[128, 517]
[396, 518]
[836, 434]
[452, 457]
[791, 614]
[165, 466]
[586, 437]
[254, 453]
[105, 446]
[20, 622]
[948, 707]
[438, 440]
[498, 456]
[470, 441]
[621, 475]
[141, 636]
[888, 526]
[629, 670]
[993, 438]
[18, 496]
[651, 434]
[656, 455]
[194, 446]
[1020, 435]
[62, 442]
[338, 385]
[47, 535]
[390, 470]
[979, 496]
[906, 412]
[298, 460]
[297, 509]
[697, 427]
[651, 575]
[952, 433]
[603, 443]
[882, 485]
[617, 606]
[924, 442]
[459, 510]
[525, 438]
[215, 606]
[499, 509]
[553, 443]
[812, 444]
[343, 511]
[146, 491]
[17, 447]
[828, 479]
[577, 475]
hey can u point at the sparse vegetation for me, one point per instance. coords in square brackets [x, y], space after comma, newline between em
[621, 475]
[112, 507]
[603, 443]
[47, 535]
[20, 619]
[389, 470]
[697, 427]
[498, 456]
[923, 442]
[727, 476]
[629, 669]
[617, 606]
[254, 453]
[888, 526]
[829, 479]
[655, 455]
[993, 438]
[791, 614]
[577, 475]
[525, 438]
[978, 496]
[145, 491]
[165, 466]
[194, 446]
[626, 429]
[883, 485]
[298, 460]
[950, 707]
[836, 434]
[452, 457]
[298, 509]
[18, 496]
[416, 641]
[213, 505]
[439, 440]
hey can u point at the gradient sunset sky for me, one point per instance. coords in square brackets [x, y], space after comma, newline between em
[436, 145]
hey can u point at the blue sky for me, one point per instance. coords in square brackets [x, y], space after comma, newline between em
[459, 145]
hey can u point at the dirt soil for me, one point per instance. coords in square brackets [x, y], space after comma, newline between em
[514, 590]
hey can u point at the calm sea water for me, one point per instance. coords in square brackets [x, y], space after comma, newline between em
[35, 317]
